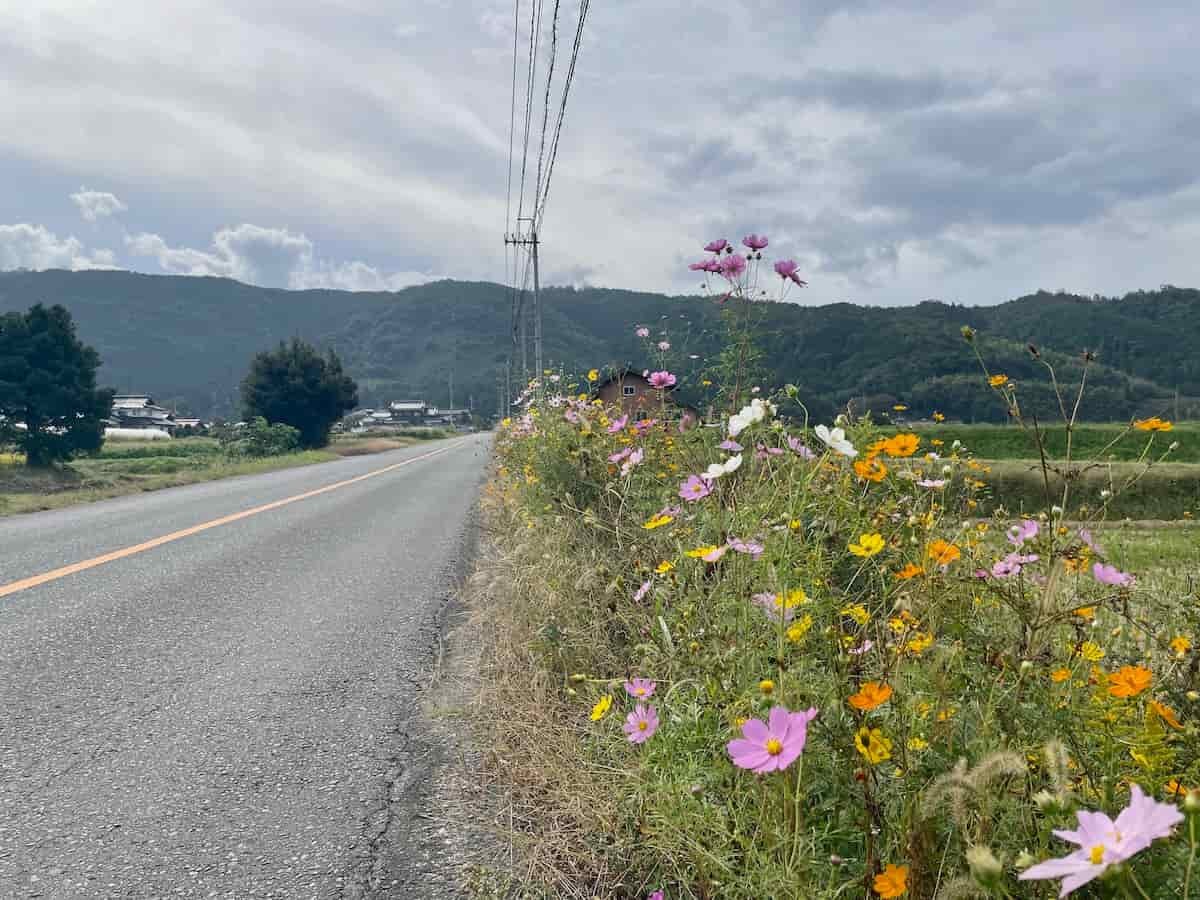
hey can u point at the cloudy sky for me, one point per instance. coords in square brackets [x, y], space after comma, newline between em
[899, 150]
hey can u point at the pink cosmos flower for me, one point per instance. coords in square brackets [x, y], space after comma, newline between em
[755, 241]
[799, 448]
[641, 724]
[774, 744]
[932, 483]
[1026, 531]
[662, 380]
[695, 488]
[775, 607]
[706, 265]
[620, 455]
[716, 246]
[733, 265]
[753, 549]
[731, 445]
[644, 425]
[1086, 537]
[618, 424]
[1011, 564]
[634, 460]
[786, 269]
[573, 417]
[657, 895]
[1111, 575]
[861, 649]
[672, 511]
[664, 345]
[762, 451]
[640, 687]
[642, 331]
[1103, 842]
[641, 592]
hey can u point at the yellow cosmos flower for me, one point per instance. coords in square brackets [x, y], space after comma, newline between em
[1154, 423]
[701, 551]
[891, 882]
[798, 629]
[766, 686]
[868, 545]
[1087, 613]
[917, 743]
[1091, 651]
[1129, 681]
[872, 744]
[794, 525]
[920, 643]
[857, 612]
[900, 407]
[998, 381]
[1180, 645]
[664, 567]
[870, 695]
[602, 706]
[938, 417]
[658, 522]
[593, 375]
[870, 469]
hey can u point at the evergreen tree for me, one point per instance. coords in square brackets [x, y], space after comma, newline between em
[48, 385]
[295, 385]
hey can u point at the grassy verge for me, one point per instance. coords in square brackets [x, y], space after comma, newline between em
[969, 689]
[130, 467]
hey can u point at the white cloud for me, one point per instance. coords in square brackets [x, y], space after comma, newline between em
[24, 246]
[270, 257]
[95, 205]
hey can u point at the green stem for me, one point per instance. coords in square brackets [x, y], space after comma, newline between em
[1187, 878]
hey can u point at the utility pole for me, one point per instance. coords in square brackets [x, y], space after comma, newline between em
[530, 239]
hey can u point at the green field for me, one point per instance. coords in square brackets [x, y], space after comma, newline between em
[1089, 441]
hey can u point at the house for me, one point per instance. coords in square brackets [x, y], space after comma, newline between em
[409, 412]
[140, 411]
[633, 393]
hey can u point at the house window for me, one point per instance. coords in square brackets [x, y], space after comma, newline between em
[628, 390]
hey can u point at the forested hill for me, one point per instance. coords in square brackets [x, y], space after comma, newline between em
[189, 340]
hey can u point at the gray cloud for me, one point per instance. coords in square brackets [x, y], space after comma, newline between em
[898, 149]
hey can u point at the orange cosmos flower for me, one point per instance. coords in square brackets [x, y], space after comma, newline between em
[1129, 681]
[870, 695]
[943, 552]
[1060, 675]
[1154, 423]
[891, 882]
[910, 571]
[870, 469]
[998, 381]
[901, 445]
[1167, 714]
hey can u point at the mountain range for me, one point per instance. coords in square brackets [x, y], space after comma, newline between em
[188, 341]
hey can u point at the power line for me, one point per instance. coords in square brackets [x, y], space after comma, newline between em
[537, 187]
[562, 108]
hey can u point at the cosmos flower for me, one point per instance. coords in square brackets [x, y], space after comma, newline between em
[730, 445]
[800, 449]
[640, 687]
[641, 724]
[786, 269]
[732, 265]
[1103, 842]
[661, 380]
[772, 745]
[618, 425]
[1026, 531]
[642, 331]
[716, 246]
[755, 241]
[1111, 575]
[695, 488]
[835, 439]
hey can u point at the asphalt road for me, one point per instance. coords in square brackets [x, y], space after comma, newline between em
[230, 714]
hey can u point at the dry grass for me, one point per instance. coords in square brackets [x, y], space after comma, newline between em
[369, 445]
[559, 816]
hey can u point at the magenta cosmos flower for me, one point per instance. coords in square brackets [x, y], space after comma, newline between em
[733, 265]
[661, 380]
[656, 895]
[1103, 842]
[706, 265]
[620, 455]
[755, 241]
[640, 688]
[800, 449]
[695, 488]
[774, 744]
[618, 424]
[786, 269]
[641, 724]
[716, 246]
[753, 549]
[1106, 574]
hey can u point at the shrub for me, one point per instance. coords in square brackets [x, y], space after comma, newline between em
[258, 438]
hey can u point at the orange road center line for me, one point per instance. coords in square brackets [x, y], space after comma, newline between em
[63, 572]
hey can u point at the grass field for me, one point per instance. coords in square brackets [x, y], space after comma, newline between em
[1011, 442]
[129, 467]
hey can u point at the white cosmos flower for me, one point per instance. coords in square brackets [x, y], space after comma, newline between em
[716, 470]
[836, 440]
[756, 411]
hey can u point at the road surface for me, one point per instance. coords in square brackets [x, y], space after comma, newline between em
[227, 713]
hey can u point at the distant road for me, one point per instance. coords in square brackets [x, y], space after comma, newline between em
[225, 714]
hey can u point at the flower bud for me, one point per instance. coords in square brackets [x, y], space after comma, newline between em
[1191, 803]
[1193, 695]
[1105, 494]
[968, 333]
[985, 867]
[1174, 445]
[1024, 860]
[1026, 665]
[1056, 511]
[957, 445]
[578, 677]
